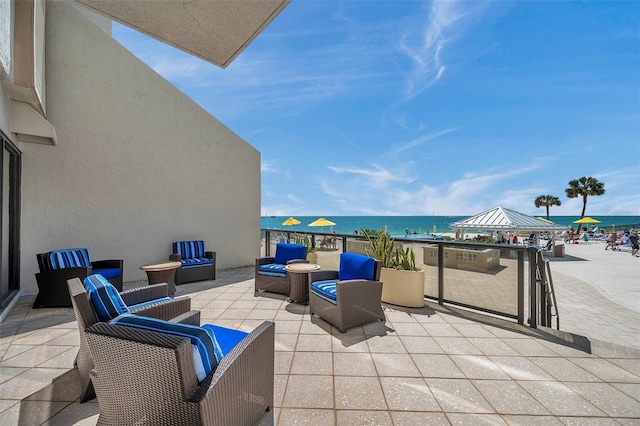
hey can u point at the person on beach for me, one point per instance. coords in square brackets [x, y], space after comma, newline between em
[633, 241]
[611, 241]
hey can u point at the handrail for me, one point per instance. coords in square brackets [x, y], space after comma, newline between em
[540, 301]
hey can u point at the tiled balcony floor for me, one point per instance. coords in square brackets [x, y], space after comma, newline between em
[422, 366]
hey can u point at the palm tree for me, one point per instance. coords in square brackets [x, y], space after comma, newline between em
[584, 187]
[547, 201]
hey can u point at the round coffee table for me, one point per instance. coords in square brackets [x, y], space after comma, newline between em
[162, 273]
[299, 280]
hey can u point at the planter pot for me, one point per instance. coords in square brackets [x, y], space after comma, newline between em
[403, 288]
[312, 257]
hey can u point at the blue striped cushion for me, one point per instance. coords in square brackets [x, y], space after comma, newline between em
[197, 261]
[206, 350]
[71, 258]
[272, 269]
[189, 249]
[104, 297]
[325, 289]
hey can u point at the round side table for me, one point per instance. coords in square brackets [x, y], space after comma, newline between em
[299, 280]
[162, 273]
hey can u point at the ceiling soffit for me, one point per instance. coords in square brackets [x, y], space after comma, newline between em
[214, 30]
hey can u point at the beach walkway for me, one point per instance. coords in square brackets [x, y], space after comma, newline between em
[436, 365]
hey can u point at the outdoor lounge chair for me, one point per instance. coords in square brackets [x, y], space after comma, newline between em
[148, 301]
[350, 296]
[270, 273]
[197, 264]
[150, 377]
[58, 266]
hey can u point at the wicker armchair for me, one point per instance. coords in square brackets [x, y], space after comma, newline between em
[270, 274]
[58, 266]
[146, 377]
[350, 296]
[177, 310]
[197, 264]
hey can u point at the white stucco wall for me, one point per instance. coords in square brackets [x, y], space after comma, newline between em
[6, 32]
[137, 166]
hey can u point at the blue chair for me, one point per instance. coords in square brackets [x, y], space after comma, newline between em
[270, 273]
[350, 296]
[58, 266]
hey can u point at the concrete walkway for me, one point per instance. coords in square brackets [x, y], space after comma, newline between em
[435, 365]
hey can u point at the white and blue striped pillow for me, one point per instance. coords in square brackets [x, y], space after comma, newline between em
[70, 258]
[206, 350]
[189, 249]
[104, 297]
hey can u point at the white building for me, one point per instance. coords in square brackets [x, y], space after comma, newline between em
[99, 151]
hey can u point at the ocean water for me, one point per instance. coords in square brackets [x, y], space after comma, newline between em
[421, 224]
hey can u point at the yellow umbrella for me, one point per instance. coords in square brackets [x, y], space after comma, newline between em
[586, 219]
[321, 222]
[291, 221]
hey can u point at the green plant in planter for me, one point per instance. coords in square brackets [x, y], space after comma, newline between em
[383, 249]
[305, 240]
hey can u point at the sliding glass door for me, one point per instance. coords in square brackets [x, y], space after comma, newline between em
[9, 222]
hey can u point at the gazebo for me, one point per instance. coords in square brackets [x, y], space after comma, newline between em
[501, 219]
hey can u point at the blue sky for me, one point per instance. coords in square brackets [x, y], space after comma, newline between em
[422, 108]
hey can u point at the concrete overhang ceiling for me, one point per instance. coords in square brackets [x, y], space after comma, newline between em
[214, 30]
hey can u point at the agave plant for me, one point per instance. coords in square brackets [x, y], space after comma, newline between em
[305, 240]
[383, 248]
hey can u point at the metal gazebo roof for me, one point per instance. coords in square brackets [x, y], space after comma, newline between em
[501, 219]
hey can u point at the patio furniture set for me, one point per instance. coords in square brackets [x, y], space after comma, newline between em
[147, 359]
[345, 298]
[188, 262]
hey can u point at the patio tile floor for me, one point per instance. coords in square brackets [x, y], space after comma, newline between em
[434, 365]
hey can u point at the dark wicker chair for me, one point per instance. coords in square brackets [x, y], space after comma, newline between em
[197, 264]
[344, 299]
[177, 310]
[146, 377]
[52, 279]
[270, 274]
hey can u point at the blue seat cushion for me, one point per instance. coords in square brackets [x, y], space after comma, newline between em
[326, 290]
[104, 297]
[133, 308]
[199, 261]
[70, 258]
[355, 266]
[189, 249]
[286, 252]
[108, 273]
[206, 350]
[227, 338]
[273, 270]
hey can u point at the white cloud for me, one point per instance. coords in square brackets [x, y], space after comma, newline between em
[446, 20]
[421, 140]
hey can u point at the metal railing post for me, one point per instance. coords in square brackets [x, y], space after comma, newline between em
[521, 287]
[533, 288]
[440, 274]
[267, 243]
